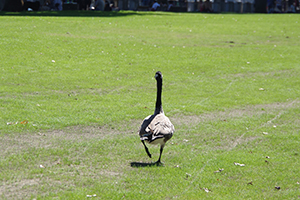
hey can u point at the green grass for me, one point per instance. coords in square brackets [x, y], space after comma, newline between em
[75, 86]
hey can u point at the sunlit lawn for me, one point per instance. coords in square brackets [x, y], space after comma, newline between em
[75, 86]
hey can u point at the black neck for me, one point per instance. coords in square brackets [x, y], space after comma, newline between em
[158, 106]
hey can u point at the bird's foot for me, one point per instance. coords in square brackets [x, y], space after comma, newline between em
[158, 163]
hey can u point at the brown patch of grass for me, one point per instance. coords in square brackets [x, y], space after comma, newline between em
[256, 74]
[17, 189]
[247, 111]
[26, 188]
[20, 142]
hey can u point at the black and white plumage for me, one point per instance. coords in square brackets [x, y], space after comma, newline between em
[156, 128]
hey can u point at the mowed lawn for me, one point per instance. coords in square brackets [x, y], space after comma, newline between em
[75, 87]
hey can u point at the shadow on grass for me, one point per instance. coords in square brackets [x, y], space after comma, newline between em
[76, 13]
[142, 164]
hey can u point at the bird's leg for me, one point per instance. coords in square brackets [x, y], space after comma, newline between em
[161, 150]
[146, 148]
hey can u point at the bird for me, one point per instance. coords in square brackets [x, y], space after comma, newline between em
[156, 128]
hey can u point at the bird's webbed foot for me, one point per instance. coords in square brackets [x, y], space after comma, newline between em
[158, 163]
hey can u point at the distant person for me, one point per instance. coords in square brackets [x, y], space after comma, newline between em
[107, 6]
[270, 6]
[57, 5]
[99, 5]
[155, 6]
[113, 7]
[207, 6]
[46, 6]
[292, 8]
[200, 6]
[171, 4]
[278, 6]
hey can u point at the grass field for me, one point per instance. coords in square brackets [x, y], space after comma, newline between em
[75, 87]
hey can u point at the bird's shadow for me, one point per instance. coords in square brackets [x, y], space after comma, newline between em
[143, 164]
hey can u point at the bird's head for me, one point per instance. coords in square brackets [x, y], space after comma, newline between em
[158, 75]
